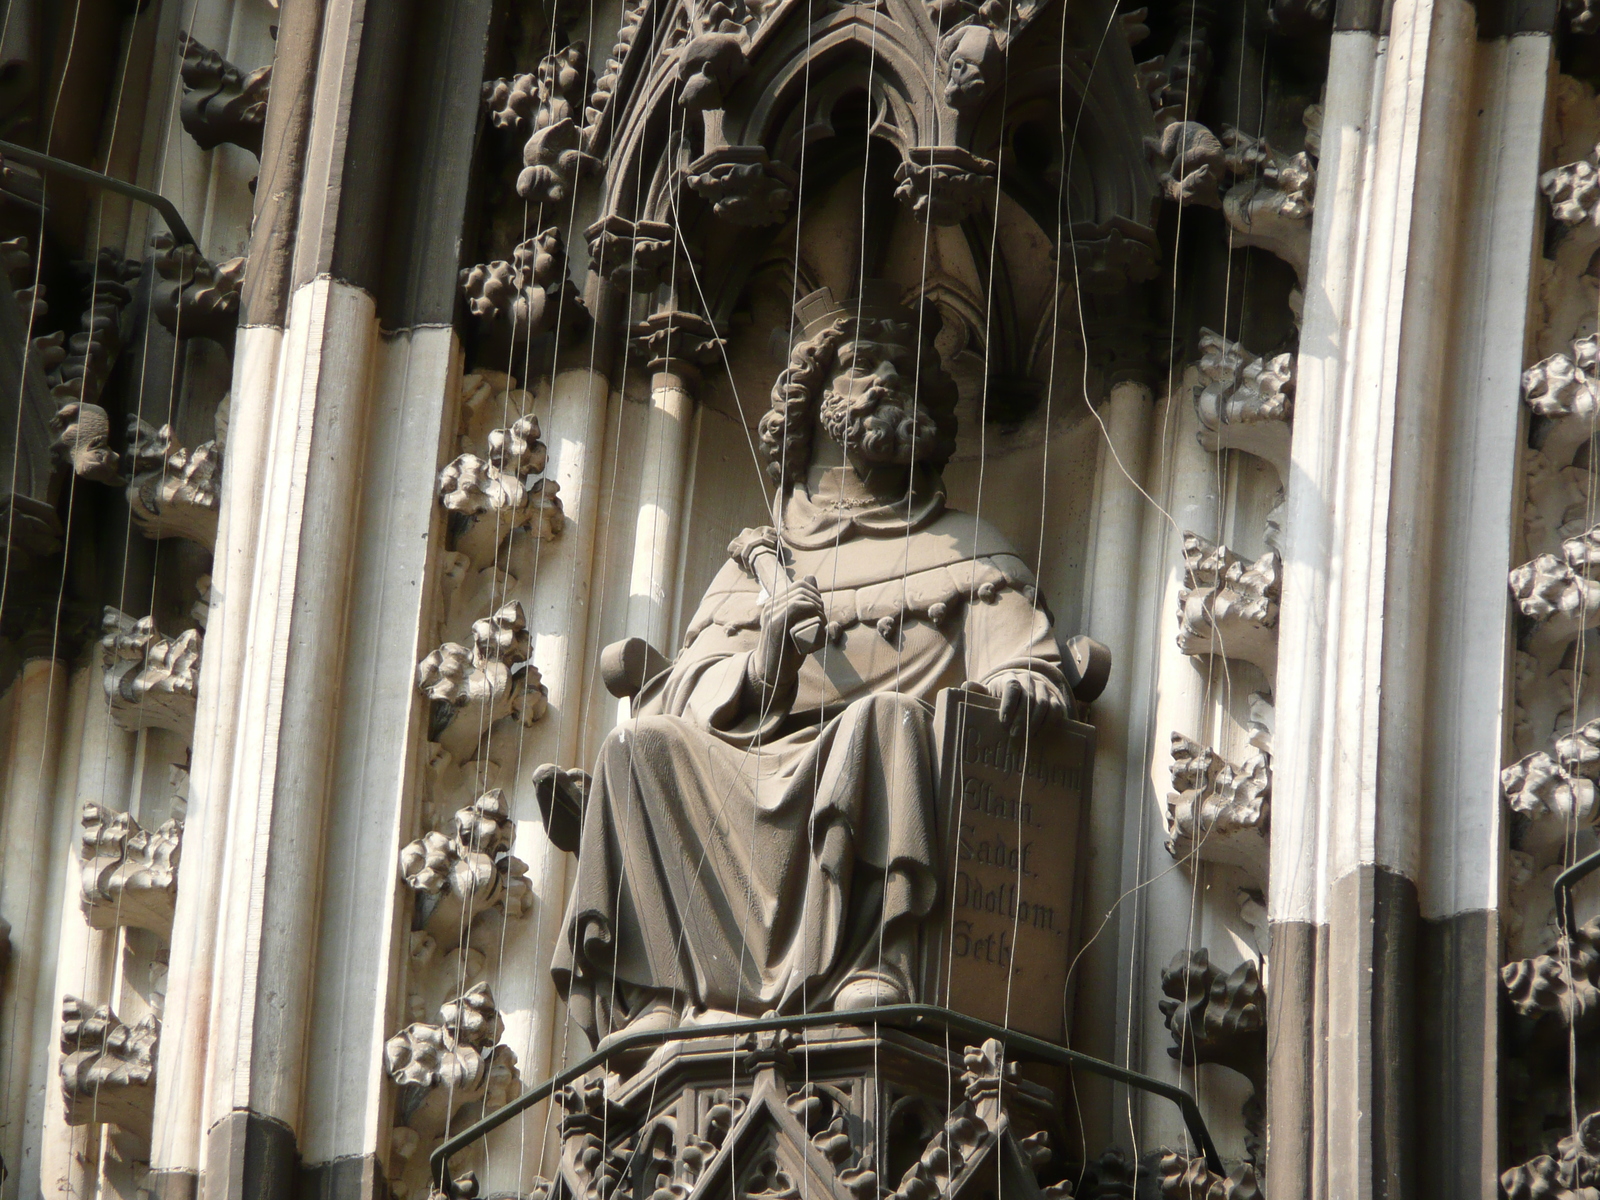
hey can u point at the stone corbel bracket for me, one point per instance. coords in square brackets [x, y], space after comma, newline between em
[150, 680]
[129, 876]
[1266, 196]
[454, 1072]
[1245, 401]
[1229, 607]
[549, 106]
[1551, 794]
[944, 185]
[744, 185]
[1569, 291]
[108, 1069]
[1219, 811]
[474, 689]
[1182, 1177]
[464, 872]
[199, 298]
[493, 496]
[1220, 1017]
[1564, 1173]
[512, 303]
[173, 491]
[221, 104]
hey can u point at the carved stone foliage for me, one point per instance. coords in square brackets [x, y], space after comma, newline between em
[173, 491]
[1218, 810]
[1554, 1005]
[465, 871]
[1229, 606]
[150, 680]
[1571, 1173]
[78, 366]
[1246, 402]
[108, 1069]
[221, 104]
[548, 105]
[454, 1071]
[605, 87]
[1551, 793]
[197, 298]
[943, 185]
[1568, 289]
[474, 688]
[743, 185]
[1265, 195]
[83, 441]
[514, 302]
[1220, 1017]
[129, 876]
[492, 496]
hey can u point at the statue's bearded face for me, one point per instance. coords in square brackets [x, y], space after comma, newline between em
[869, 407]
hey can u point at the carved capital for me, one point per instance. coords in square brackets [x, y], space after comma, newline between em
[743, 185]
[943, 185]
[151, 680]
[455, 1071]
[172, 491]
[108, 1069]
[635, 255]
[1246, 401]
[679, 343]
[129, 876]
[221, 104]
[1228, 606]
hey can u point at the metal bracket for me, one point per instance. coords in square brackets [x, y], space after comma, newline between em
[48, 162]
[915, 1017]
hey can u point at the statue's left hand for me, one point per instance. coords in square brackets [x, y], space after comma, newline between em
[1026, 700]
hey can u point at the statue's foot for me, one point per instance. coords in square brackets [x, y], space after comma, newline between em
[868, 990]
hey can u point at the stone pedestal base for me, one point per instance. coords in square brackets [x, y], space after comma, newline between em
[838, 1113]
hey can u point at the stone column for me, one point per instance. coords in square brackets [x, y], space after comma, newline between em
[36, 723]
[1356, 608]
[1115, 558]
[677, 345]
[1460, 938]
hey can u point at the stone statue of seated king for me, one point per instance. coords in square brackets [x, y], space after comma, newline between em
[760, 835]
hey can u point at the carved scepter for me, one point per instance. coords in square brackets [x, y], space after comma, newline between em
[758, 552]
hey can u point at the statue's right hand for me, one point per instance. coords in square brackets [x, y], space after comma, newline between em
[775, 663]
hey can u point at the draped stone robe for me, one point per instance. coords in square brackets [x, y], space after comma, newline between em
[757, 861]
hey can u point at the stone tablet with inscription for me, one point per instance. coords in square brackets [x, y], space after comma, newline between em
[1008, 823]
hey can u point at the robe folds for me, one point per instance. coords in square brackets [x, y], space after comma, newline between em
[755, 861]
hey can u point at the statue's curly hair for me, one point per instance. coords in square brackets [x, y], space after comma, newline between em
[785, 427]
